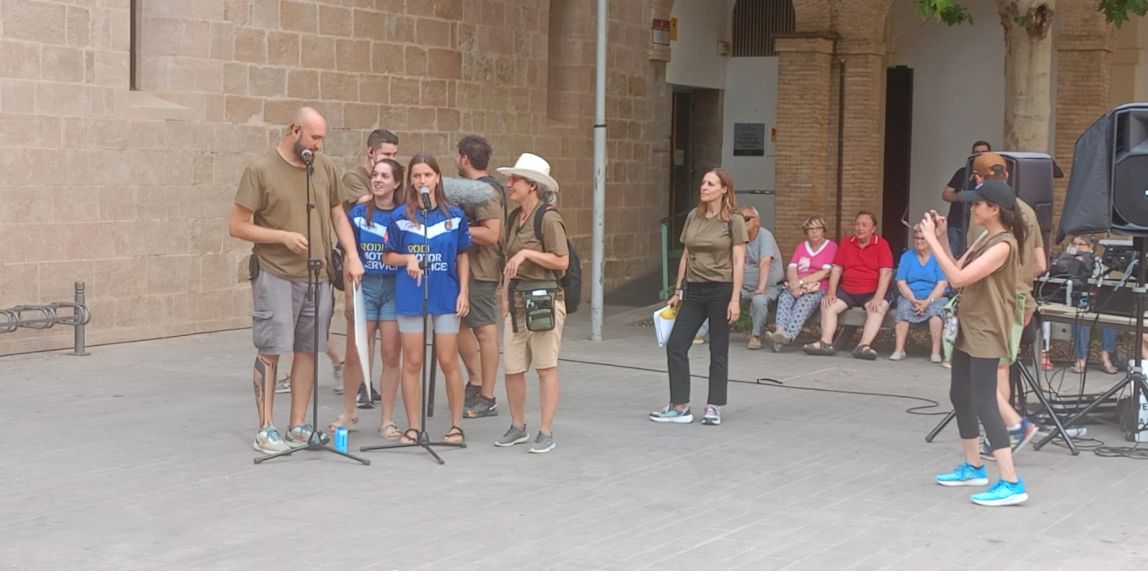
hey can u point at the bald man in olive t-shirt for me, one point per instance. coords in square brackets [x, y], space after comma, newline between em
[271, 211]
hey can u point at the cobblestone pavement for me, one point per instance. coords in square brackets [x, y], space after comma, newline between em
[139, 456]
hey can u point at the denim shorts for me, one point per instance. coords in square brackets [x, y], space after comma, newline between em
[379, 297]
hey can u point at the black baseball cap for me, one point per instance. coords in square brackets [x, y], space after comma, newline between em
[995, 191]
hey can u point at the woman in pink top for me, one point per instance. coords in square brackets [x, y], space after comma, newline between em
[807, 278]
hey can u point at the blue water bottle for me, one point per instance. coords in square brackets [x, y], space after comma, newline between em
[341, 439]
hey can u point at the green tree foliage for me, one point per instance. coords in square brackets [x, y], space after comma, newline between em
[952, 12]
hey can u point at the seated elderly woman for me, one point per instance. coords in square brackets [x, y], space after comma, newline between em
[807, 278]
[922, 286]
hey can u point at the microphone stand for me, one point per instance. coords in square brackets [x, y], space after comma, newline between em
[318, 441]
[423, 440]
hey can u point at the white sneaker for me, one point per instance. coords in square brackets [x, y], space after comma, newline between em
[268, 441]
[712, 416]
[897, 356]
[283, 385]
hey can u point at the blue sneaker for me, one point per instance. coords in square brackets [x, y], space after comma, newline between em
[1003, 493]
[672, 415]
[963, 475]
[1017, 439]
[1023, 435]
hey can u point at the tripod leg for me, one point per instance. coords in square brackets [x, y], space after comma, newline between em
[433, 454]
[1034, 386]
[362, 461]
[941, 426]
[263, 459]
[1083, 412]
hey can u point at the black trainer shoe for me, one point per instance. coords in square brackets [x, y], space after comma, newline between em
[472, 394]
[484, 407]
[361, 400]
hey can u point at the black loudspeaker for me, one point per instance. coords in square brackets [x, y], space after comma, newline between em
[1031, 176]
[1130, 170]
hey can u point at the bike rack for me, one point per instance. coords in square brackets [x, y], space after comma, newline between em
[45, 316]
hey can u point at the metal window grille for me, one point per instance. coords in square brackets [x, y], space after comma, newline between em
[757, 22]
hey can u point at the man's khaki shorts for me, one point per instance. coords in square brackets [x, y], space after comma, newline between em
[484, 304]
[283, 319]
[538, 348]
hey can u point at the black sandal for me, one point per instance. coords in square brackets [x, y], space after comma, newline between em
[864, 352]
[406, 433]
[454, 431]
[819, 348]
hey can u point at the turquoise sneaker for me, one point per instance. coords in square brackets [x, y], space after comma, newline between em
[964, 475]
[1003, 493]
[672, 415]
[299, 435]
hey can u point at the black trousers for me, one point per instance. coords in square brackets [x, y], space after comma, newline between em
[702, 301]
[973, 390]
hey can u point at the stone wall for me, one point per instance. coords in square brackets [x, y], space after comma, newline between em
[130, 191]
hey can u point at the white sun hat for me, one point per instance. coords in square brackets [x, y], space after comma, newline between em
[533, 168]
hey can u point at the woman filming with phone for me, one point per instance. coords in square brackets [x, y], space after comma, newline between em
[983, 322]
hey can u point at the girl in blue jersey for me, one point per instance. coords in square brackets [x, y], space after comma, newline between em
[430, 249]
[369, 220]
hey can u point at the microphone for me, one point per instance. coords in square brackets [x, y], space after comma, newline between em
[465, 192]
[424, 195]
[307, 155]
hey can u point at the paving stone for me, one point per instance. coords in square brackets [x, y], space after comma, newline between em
[139, 456]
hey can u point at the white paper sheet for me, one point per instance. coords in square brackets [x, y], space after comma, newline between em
[361, 334]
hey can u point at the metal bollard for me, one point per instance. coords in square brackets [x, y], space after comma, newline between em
[80, 350]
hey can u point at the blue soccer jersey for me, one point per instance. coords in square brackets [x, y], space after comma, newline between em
[447, 236]
[371, 239]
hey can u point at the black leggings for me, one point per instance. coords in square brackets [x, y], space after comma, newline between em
[973, 390]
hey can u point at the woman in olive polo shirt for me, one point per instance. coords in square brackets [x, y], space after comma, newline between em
[985, 314]
[534, 264]
[711, 271]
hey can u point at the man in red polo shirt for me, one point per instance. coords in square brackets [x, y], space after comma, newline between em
[861, 274]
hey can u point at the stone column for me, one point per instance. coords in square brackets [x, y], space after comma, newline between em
[1084, 61]
[864, 133]
[804, 174]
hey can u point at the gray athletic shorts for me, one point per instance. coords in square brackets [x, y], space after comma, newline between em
[484, 305]
[284, 319]
[442, 323]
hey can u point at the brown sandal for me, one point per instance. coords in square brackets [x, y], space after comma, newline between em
[390, 431]
[406, 438]
[342, 421]
[455, 432]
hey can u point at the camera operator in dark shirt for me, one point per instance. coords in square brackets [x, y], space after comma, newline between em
[956, 218]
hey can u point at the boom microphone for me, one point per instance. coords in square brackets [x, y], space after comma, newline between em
[464, 192]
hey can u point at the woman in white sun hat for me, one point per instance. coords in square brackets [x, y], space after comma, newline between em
[534, 305]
